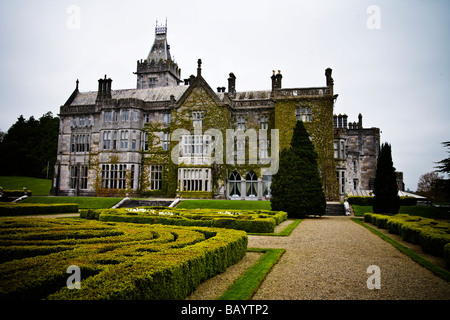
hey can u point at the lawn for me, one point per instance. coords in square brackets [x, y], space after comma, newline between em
[83, 202]
[38, 187]
[422, 211]
[225, 204]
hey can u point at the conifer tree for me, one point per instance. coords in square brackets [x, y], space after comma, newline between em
[386, 198]
[297, 187]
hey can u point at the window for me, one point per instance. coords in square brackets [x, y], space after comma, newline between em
[251, 184]
[195, 145]
[241, 123]
[106, 140]
[83, 177]
[263, 152]
[73, 177]
[105, 176]
[114, 140]
[266, 182]
[146, 118]
[125, 115]
[124, 139]
[234, 184]
[166, 118]
[194, 179]
[114, 176]
[304, 114]
[135, 115]
[116, 116]
[166, 140]
[197, 118]
[264, 123]
[146, 141]
[107, 116]
[155, 177]
[341, 180]
[132, 174]
[133, 141]
[339, 149]
[80, 142]
[122, 172]
[336, 149]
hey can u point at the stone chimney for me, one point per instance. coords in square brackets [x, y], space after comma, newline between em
[279, 77]
[232, 85]
[330, 81]
[104, 89]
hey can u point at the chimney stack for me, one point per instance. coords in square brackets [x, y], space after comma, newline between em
[232, 84]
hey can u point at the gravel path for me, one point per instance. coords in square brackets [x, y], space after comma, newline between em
[328, 257]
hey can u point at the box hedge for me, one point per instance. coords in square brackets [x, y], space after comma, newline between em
[17, 209]
[117, 260]
[368, 201]
[253, 221]
[430, 234]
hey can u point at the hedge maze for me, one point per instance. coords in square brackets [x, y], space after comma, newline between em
[116, 260]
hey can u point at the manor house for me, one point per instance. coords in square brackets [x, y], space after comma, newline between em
[172, 136]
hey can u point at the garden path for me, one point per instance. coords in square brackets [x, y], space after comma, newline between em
[327, 258]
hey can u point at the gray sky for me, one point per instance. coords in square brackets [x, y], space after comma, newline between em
[390, 62]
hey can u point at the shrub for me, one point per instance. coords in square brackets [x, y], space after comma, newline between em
[430, 234]
[16, 209]
[254, 221]
[447, 255]
[117, 261]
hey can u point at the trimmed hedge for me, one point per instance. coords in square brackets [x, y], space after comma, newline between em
[117, 261]
[368, 201]
[252, 221]
[430, 234]
[17, 209]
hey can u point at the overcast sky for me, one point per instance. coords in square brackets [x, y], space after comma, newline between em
[390, 59]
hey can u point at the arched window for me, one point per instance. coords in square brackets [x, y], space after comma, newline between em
[235, 184]
[251, 184]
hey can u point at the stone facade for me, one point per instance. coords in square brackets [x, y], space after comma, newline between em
[170, 137]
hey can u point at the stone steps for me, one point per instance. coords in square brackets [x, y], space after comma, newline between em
[335, 209]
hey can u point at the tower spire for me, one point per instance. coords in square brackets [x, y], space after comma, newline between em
[159, 69]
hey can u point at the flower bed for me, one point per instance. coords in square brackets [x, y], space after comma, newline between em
[117, 260]
[430, 234]
[255, 221]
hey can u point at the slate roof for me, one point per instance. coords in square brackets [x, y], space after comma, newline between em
[147, 95]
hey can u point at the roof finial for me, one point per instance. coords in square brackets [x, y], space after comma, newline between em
[77, 84]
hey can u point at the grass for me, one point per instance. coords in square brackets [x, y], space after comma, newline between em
[244, 287]
[225, 204]
[284, 233]
[422, 211]
[38, 187]
[417, 258]
[83, 202]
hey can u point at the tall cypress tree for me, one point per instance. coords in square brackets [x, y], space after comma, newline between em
[386, 198]
[297, 187]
